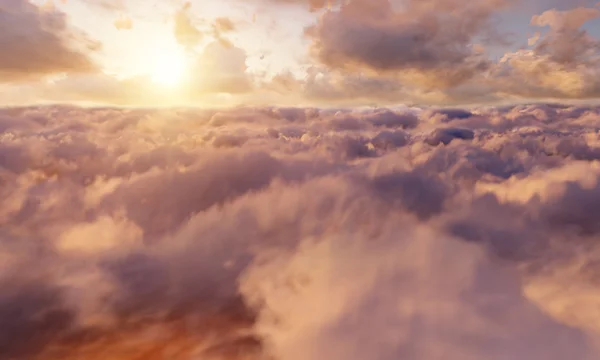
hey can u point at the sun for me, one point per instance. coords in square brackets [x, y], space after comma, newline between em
[169, 68]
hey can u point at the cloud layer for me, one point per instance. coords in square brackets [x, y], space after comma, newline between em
[299, 233]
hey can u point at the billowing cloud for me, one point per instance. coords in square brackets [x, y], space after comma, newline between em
[425, 37]
[438, 51]
[37, 42]
[299, 233]
[562, 63]
[567, 43]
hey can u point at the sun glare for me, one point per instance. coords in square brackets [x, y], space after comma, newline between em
[169, 69]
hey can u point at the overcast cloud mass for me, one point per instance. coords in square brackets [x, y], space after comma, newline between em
[299, 233]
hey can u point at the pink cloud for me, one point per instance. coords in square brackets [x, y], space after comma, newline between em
[298, 232]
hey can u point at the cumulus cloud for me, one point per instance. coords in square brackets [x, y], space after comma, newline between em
[562, 63]
[432, 38]
[221, 67]
[38, 41]
[299, 233]
[443, 52]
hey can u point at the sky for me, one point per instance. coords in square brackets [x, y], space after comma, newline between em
[308, 52]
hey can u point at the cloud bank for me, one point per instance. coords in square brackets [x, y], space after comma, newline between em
[299, 233]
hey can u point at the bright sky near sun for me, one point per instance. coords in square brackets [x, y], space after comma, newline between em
[152, 35]
[227, 52]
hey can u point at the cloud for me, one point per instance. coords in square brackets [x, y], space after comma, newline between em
[411, 309]
[562, 63]
[311, 5]
[110, 5]
[123, 23]
[329, 86]
[224, 24]
[221, 67]
[444, 52]
[435, 52]
[38, 42]
[221, 26]
[299, 233]
[357, 52]
[186, 33]
[431, 37]
[199, 88]
[567, 43]
[101, 88]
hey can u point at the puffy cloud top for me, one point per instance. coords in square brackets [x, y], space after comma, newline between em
[299, 233]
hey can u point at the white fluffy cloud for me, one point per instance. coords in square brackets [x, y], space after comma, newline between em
[299, 233]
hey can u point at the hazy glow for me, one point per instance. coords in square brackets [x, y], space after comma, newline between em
[169, 68]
